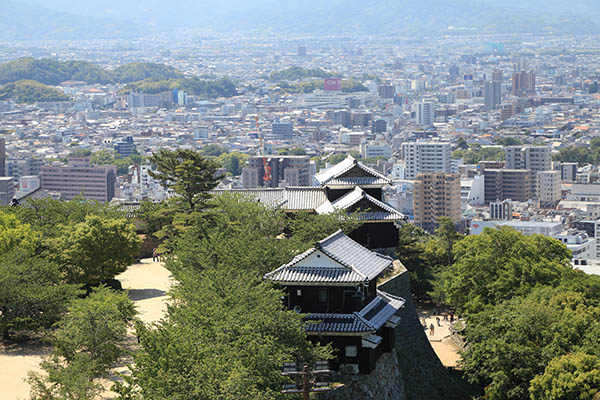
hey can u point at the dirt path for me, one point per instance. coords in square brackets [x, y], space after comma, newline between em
[147, 282]
[446, 351]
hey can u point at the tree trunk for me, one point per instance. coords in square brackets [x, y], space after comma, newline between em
[5, 334]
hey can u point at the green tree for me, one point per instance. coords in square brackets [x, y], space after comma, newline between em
[88, 342]
[226, 334]
[95, 327]
[513, 342]
[499, 264]
[27, 91]
[32, 293]
[233, 162]
[96, 250]
[72, 381]
[16, 235]
[188, 173]
[45, 215]
[573, 376]
[411, 253]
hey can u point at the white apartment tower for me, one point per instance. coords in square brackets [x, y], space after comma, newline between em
[425, 114]
[421, 157]
[534, 158]
[548, 188]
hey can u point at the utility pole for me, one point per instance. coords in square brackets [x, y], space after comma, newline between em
[309, 383]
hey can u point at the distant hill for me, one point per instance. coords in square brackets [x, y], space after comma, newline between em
[53, 72]
[204, 89]
[22, 21]
[19, 18]
[28, 91]
[295, 73]
[138, 71]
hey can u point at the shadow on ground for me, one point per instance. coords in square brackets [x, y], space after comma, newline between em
[143, 294]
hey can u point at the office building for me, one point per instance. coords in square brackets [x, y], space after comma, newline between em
[126, 147]
[7, 190]
[80, 178]
[371, 150]
[421, 157]
[507, 184]
[2, 156]
[18, 168]
[425, 114]
[276, 171]
[568, 172]
[492, 94]
[436, 195]
[282, 130]
[302, 52]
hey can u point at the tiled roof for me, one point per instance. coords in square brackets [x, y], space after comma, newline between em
[274, 197]
[338, 323]
[353, 263]
[368, 320]
[346, 251]
[379, 311]
[334, 176]
[308, 275]
[381, 211]
[289, 198]
[304, 198]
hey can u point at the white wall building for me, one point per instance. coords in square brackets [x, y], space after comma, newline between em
[426, 157]
[548, 187]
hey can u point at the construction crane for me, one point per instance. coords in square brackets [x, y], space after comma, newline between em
[261, 151]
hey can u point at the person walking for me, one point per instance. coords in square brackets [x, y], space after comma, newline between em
[154, 255]
[431, 329]
[437, 319]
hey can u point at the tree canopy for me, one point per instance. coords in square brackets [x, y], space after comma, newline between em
[228, 333]
[188, 173]
[499, 264]
[33, 294]
[95, 250]
[29, 91]
[89, 340]
[514, 342]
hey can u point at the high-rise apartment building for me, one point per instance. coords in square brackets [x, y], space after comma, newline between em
[386, 91]
[535, 158]
[507, 184]
[425, 114]
[548, 188]
[492, 94]
[523, 83]
[80, 178]
[421, 157]
[436, 195]
[2, 156]
[276, 171]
